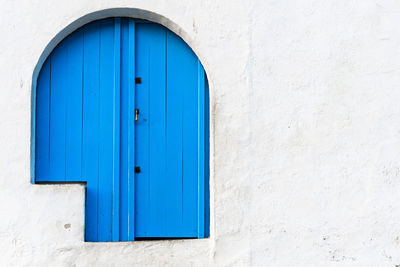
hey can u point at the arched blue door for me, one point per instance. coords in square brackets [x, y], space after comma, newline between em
[123, 106]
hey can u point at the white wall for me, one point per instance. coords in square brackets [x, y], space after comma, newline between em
[306, 135]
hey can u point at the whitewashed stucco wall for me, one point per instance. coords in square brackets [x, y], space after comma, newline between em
[305, 136]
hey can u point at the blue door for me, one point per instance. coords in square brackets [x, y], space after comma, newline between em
[122, 105]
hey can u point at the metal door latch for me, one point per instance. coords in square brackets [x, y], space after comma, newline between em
[137, 169]
[136, 114]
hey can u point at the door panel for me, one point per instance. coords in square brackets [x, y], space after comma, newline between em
[166, 134]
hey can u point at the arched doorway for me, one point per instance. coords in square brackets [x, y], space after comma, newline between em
[122, 105]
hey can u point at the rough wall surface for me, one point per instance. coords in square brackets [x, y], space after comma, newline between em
[305, 136]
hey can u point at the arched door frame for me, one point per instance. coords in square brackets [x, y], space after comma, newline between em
[134, 13]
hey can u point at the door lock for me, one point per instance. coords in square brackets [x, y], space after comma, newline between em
[136, 114]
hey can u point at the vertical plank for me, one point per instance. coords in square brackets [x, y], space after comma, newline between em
[91, 121]
[201, 150]
[127, 186]
[131, 131]
[151, 183]
[160, 198]
[106, 130]
[182, 135]
[207, 160]
[123, 213]
[116, 128]
[73, 112]
[59, 88]
[142, 187]
[42, 128]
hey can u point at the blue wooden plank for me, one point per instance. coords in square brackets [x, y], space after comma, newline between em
[116, 128]
[57, 134]
[124, 162]
[142, 186]
[127, 204]
[158, 180]
[131, 130]
[91, 120]
[42, 137]
[207, 160]
[201, 150]
[182, 136]
[106, 130]
[73, 106]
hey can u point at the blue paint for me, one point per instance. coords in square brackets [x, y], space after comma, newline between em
[86, 130]
[207, 160]
[91, 136]
[201, 148]
[106, 140]
[116, 130]
[131, 131]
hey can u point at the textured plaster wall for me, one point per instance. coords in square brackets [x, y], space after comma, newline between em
[305, 160]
